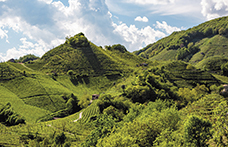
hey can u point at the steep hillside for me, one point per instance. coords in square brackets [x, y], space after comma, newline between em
[139, 102]
[85, 58]
[193, 45]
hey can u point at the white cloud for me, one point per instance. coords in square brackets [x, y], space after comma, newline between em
[46, 1]
[27, 47]
[43, 30]
[143, 19]
[190, 8]
[136, 37]
[3, 34]
[214, 8]
[90, 17]
[153, 2]
[164, 26]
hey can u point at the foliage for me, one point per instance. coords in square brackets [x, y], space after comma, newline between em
[192, 45]
[197, 131]
[153, 105]
[27, 58]
[78, 40]
[146, 127]
[104, 124]
[7, 72]
[84, 101]
[116, 47]
[116, 108]
[60, 138]
[220, 127]
[224, 69]
[140, 93]
[9, 117]
[188, 95]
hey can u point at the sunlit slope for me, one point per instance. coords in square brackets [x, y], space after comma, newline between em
[193, 45]
[85, 58]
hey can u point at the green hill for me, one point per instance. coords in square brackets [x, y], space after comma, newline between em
[48, 101]
[43, 85]
[85, 58]
[193, 45]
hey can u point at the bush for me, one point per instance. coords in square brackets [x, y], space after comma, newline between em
[9, 117]
[116, 47]
[27, 58]
[197, 131]
[84, 101]
[224, 69]
[140, 93]
[60, 138]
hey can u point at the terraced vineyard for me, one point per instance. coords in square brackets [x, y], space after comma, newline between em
[90, 111]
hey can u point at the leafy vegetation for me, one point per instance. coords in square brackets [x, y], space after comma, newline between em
[27, 58]
[193, 45]
[141, 102]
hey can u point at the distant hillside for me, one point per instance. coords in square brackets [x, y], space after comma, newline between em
[85, 58]
[193, 45]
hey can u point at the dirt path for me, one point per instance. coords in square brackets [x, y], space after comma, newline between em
[26, 66]
[80, 116]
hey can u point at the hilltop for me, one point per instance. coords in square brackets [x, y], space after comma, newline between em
[85, 58]
[193, 45]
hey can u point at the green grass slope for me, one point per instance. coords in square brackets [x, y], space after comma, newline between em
[193, 45]
[85, 58]
[30, 113]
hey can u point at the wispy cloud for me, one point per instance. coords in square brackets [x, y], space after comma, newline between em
[167, 28]
[153, 2]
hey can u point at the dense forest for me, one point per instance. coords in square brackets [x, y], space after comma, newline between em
[80, 94]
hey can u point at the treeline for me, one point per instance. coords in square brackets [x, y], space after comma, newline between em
[27, 58]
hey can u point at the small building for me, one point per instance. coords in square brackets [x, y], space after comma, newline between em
[95, 96]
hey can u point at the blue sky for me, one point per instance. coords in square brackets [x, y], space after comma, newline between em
[36, 26]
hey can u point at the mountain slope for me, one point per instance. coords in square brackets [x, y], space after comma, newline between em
[85, 58]
[193, 45]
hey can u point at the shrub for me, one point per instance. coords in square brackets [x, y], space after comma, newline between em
[140, 93]
[224, 69]
[197, 131]
[84, 101]
[60, 138]
[9, 117]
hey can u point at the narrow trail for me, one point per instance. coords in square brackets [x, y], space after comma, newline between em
[26, 66]
[80, 116]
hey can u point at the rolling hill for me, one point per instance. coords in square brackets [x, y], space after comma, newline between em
[142, 102]
[85, 58]
[193, 45]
